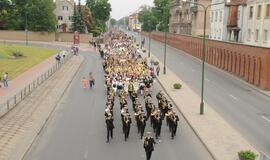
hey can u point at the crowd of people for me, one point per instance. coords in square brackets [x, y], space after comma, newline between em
[128, 76]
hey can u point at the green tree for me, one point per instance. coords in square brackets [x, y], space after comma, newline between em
[101, 13]
[4, 12]
[39, 14]
[161, 11]
[113, 22]
[147, 18]
[78, 21]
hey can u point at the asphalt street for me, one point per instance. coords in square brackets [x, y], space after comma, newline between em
[77, 131]
[245, 108]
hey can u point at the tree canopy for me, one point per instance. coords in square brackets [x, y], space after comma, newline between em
[100, 13]
[13, 15]
[156, 16]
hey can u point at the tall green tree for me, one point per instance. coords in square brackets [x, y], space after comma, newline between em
[5, 6]
[161, 11]
[39, 14]
[78, 22]
[147, 18]
[100, 13]
[113, 22]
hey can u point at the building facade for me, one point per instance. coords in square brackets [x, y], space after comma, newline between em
[188, 18]
[257, 28]
[218, 21]
[64, 14]
[228, 20]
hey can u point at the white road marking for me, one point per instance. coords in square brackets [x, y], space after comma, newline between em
[233, 97]
[265, 118]
[86, 155]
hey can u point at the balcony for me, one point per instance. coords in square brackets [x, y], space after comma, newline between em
[194, 9]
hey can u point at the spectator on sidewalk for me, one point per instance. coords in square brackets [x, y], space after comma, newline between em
[58, 58]
[158, 70]
[5, 79]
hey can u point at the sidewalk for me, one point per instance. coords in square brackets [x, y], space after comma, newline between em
[25, 78]
[222, 141]
[19, 128]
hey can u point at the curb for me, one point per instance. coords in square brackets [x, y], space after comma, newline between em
[185, 118]
[194, 131]
[53, 110]
[231, 75]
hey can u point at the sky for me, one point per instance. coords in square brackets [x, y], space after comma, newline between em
[122, 8]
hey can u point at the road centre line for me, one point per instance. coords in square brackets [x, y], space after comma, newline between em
[233, 97]
[265, 118]
[86, 155]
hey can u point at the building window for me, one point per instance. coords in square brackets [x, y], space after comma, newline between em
[267, 11]
[259, 9]
[216, 16]
[212, 16]
[65, 8]
[250, 12]
[220, 16]
[265, 38]
[249, 34]
[60, 18]
[257, 35]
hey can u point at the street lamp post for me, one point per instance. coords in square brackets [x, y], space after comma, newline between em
[203, 48]
[149, 47]
[26, 25]
[165, 51]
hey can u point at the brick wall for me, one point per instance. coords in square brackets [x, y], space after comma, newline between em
[43, 36]
[250, 63]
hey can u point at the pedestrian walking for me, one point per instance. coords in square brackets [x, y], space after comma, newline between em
[91, 80]
[84, 82]
[5, 79]
[148, 145]
[158, 70]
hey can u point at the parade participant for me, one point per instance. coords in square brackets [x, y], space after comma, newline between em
[148, 145]
[126, 125]
[158, 123]
[174, 123]
[142, 123]
[110, 126]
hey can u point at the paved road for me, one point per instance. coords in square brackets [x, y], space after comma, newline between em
[243, 107]
[77, 129]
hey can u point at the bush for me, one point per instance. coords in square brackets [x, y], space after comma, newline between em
[177, 86]
[246, 155]
[17, 54]
[156, 63]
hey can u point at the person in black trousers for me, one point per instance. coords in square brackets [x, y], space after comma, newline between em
[174, 123]
[110, 126]
[126, 125]
[148, 145]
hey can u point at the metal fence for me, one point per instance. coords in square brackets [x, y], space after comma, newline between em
[17, 97]
[263, 156]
